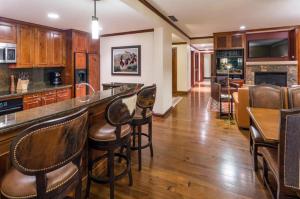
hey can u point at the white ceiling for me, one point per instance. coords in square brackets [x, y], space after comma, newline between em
[204, 17]
[114, 15]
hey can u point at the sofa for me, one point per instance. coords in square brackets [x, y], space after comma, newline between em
[241, 102]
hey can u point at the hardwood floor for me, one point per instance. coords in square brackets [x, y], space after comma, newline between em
[196, 156]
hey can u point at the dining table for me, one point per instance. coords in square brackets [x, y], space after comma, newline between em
[267, 122]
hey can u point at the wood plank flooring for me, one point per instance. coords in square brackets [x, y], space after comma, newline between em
[196, 156]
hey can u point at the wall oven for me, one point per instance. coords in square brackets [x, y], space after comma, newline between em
[8, 53]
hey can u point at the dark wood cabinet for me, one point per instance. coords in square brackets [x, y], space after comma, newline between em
[94, 46]
[80, 60]
[58, 40]
[32, 101]
[43, 47]
[229, 40]
[80, 90]
[80, 41]
[94, 70]
[8, 32]
[63, 94]
[25, 46]
[48, 97]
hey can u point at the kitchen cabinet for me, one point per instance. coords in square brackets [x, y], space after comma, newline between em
[32, 101]
[43, 47]
[59, 47]
[80, 41]
[80, 90]
[223, 41]
[94, 71]
[80, 60]
[94, 45]
[45, 98]
[25, 46]
[48, 97]
[63, 94]
[8, 32]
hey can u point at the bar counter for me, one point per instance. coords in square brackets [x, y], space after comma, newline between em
[12, 124]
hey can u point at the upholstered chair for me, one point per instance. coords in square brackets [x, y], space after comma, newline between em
[283, 163]
[263, 96]
[109, 137]
[294, 97]
[46, 159]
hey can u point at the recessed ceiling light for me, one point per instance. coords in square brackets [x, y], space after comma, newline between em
[242, 27]
[53, 15]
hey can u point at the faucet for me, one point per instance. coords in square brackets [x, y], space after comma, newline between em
[90, 86]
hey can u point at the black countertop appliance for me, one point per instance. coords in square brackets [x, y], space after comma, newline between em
[55, 78]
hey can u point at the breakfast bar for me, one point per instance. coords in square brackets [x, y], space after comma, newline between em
[12, 124]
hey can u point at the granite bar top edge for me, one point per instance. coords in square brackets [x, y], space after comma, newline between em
[56, 106]
[35, 90]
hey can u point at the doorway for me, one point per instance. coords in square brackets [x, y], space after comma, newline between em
[206, 63]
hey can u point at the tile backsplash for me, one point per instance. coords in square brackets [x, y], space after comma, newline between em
[36, 75]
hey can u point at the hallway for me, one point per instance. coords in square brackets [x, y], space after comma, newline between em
[195, 156]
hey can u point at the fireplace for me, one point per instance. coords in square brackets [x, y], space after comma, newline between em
[274, 78]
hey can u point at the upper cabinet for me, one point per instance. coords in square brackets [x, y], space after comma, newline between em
[59, 48]
[25, 46]
[94, 45]
[80, 41]
[8, 32]
[229, 41]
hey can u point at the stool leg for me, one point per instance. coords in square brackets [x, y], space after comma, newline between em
[111, 173]
[140, 146]
[133, 135]
[128, 151]
[255, 161]
[150, 137]
[90, 168]
[78, 189]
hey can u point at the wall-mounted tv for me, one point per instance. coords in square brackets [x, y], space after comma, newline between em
[271, 46]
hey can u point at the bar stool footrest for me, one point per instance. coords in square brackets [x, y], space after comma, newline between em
[105, 180]
[144, 146]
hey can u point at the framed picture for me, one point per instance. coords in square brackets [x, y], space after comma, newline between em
[126, 60]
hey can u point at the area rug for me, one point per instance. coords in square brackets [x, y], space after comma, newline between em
[213, 106]
[175, 101]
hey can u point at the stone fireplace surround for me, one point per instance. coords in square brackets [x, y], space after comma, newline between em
[290, 67]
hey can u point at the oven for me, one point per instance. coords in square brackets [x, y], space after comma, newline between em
[11, 106]
[8, 53]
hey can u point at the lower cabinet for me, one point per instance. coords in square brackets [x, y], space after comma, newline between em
[45, 98]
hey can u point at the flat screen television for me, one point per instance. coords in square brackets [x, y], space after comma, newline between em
[269, 48]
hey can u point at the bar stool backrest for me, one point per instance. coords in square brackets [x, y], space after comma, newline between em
[121, 110]
[266, 96]
[289, 151]
[294, 97]
[146, 97]
[50, 145]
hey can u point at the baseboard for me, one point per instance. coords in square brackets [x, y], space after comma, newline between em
[182, 92]
[165, 114]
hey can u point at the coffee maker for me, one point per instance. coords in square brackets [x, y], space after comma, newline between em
[55, 78]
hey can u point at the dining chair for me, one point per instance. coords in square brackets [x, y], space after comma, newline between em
[263, 96]
[294, 97]
[283, 163]
[46, 159]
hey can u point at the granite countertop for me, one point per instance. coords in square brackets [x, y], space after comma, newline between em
[35, 115]
[32, 89]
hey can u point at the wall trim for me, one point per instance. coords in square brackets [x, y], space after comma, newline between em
[165, 114]
[128, 32]
[158, 13]
[204, 37]
[179, 43]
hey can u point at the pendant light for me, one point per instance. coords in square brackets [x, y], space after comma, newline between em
[96, 28]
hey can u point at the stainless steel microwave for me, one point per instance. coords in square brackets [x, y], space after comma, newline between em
[8, 53]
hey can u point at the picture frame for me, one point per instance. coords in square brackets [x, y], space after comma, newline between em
[126, 60]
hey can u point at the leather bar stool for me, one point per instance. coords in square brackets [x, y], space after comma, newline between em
[143, 115]
[109, 137]
[263, 96]
[46, 159]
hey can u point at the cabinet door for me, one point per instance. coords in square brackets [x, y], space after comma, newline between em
[8, 32]
[63, 94]
[32, 101]
[237, 41]
[94, 71]
[80, 90]
[80, 42]
[94, 45]
[43, 47]
[80, 60]
[58, 48]
[221, 41]
[48, 97]
[25, 46]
